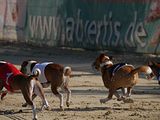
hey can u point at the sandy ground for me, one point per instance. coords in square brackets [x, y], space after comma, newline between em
[86, 89]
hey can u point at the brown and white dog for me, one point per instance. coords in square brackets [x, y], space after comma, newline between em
[155, 66]
[117, 76]
[12, 79]
[50, 74]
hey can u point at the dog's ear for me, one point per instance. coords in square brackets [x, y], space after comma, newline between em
[24, 63]
[101, 55]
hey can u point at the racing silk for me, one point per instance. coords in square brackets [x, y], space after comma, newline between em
[41, 67]
[113, 69]
[7, 73]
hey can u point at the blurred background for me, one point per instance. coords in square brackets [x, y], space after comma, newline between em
[116, 25]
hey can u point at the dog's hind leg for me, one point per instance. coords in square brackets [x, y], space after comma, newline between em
[38, 90]
[111, 93]
[65, 87]
[59, 95]
[129, 89]
[124, 91]
[68, 95]
[27, 96]
[119, 97]
[3, 92]
[33, 97]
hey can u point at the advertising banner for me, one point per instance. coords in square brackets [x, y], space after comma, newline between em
[119, 25]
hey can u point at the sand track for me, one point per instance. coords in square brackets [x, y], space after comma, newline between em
[86, 89]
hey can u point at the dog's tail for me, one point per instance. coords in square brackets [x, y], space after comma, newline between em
[36, 73]
[142, 69]
[67, 71]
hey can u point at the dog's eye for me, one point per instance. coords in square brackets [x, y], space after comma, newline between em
[106, 59]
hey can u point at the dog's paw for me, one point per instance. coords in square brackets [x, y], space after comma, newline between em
[24, 105]
[35, 118]
[68, 103]
[120, 98]
[47, 108]
[128, 100]
[102, 101]
[61, 108]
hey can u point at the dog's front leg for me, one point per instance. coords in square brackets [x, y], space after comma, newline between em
[119, 97]
[111, 92]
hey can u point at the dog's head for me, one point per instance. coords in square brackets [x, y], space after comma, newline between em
[102, 60]
[27, 66]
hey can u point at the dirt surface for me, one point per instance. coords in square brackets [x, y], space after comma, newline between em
[86, 89]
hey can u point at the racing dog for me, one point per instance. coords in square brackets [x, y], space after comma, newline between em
[50, 74]
[156, 70]
[12, 79]
[117, 76]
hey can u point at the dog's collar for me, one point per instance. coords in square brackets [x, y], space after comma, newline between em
[106, 63]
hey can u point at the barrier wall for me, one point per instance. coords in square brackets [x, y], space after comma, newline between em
[118, 25]
[12, 20]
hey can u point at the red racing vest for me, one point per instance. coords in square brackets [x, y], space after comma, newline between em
[7, 73]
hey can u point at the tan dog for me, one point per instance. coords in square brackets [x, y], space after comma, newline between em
[115, 77]
[12, 79]
[50, 74]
